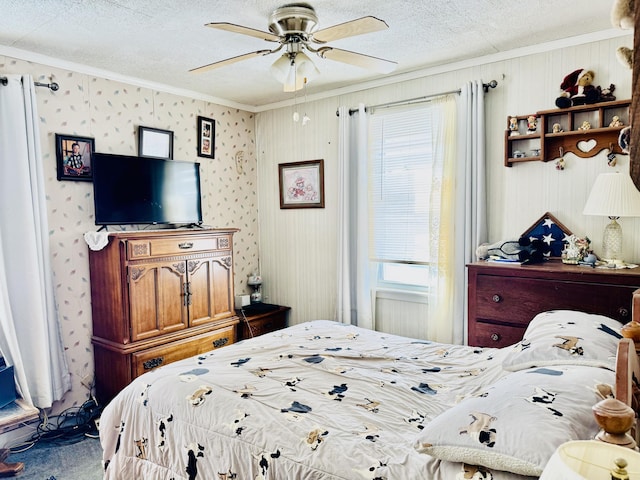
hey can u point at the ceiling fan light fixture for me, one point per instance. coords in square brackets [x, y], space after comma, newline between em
[295, 27]
[294, 73]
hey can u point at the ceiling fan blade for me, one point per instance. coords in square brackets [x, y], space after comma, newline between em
[379, 65]
[231, 60]
[349, 29]
[232, 27]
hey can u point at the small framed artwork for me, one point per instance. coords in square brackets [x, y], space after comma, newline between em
[154, 142]
[73, 157]
[206, 137]
[302, 184]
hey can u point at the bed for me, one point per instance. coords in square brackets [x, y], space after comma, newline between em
[323, 400]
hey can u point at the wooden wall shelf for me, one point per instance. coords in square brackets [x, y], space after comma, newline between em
[545, 145]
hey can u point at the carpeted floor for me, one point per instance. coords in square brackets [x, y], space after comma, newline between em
[61, 460]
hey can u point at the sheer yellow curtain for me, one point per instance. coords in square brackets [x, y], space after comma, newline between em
[442, 221]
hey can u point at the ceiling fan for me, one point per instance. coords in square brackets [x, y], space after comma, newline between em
[294, 28]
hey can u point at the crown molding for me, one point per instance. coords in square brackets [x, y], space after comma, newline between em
[109, 75]
[450, 67]
[387, 80]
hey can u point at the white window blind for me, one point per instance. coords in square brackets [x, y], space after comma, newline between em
[401, 154]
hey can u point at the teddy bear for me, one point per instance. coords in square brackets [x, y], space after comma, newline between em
[625, 56]
[622, 14]
[578, 89]
[623, 17]
[606, 94]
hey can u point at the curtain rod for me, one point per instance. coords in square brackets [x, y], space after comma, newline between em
[53, 86]
[485, 86]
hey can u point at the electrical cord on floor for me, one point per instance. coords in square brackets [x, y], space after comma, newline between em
[247, 322]
[69, 426]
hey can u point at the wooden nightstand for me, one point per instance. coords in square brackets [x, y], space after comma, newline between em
[255, 324]
[503, 299]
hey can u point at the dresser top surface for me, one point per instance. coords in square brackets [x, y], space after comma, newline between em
[553, 268]
[171, 232]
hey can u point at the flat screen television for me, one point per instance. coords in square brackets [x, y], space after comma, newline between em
[131, 190]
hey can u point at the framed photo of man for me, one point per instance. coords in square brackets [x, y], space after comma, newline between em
[73, 157]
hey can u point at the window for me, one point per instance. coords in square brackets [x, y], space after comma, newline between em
[401, 171]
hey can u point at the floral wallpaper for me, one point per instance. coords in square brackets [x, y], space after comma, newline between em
[110, 112]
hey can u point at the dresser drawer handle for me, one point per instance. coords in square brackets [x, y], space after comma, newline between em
[153, 363]
[623, 312]
[495, 337]
[496, 298]
[185, 245]
[220, 342]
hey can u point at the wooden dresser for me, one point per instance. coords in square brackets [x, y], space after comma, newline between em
[503, 299]
[157, 297]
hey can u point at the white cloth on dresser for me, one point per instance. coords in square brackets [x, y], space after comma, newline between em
[96, 240]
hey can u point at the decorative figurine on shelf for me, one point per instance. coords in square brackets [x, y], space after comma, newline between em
[557, 128]
[513, 126]
[532, 124]
[585, 126]
[535, 152]
[616, 122]
[519, 154]
[606, 93]
[575, 250]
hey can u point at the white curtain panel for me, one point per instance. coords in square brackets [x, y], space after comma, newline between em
[471, 197]
[442, 323]
[355, 297]
[30, 327]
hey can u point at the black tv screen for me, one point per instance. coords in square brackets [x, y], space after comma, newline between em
[139, 190]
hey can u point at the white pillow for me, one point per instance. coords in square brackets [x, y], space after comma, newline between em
[566, 337]
[517, 423]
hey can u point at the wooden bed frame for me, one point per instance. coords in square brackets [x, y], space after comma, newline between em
[627, 387]
[627, 374]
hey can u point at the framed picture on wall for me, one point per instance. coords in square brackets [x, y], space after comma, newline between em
[154, 142]
[206, 137]
[302, 184]
[73, 157]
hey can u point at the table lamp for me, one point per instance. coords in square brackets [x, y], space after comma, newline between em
[592, 460]
[613, 195]
[255, 282]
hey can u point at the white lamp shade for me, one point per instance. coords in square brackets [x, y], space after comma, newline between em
[613, 195]
[589, 459]
[294, 75]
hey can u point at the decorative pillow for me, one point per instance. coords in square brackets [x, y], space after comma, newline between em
[566, 337]
[517, 423]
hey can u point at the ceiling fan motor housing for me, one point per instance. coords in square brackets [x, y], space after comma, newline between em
[293, 19]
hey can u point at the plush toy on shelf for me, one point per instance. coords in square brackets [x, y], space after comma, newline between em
[577, 89]
[606, 94]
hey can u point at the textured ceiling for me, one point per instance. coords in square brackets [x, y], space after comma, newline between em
[160, 40]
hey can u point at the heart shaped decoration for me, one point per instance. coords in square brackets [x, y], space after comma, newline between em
[586, 145]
